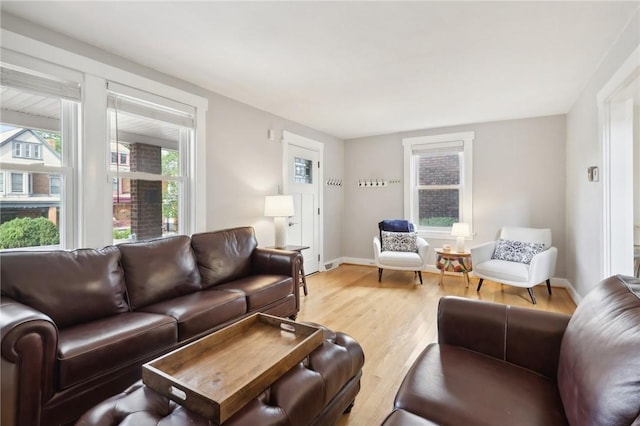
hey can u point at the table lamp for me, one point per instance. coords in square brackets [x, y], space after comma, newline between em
[460, 230]
[279, 207]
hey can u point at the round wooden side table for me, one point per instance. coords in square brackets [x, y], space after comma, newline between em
[452, 261]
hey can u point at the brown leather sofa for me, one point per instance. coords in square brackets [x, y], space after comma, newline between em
[76, 326]
[315, 392]
[503, 365]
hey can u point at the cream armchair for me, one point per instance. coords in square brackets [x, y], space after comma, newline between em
[522, 257]
[398, 247]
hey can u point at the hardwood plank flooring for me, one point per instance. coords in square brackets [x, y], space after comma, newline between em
[395, 320]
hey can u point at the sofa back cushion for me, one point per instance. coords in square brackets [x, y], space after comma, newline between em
[71, 287]
[599, 366]
[159, 269]
[224, 255]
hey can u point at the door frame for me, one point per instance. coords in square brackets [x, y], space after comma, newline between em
[289, 138]
[614, 188]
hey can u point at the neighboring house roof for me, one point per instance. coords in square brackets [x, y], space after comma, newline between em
[11, 135]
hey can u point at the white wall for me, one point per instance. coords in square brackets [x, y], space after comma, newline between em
[584, 148]
[519, 179]
[242, 164]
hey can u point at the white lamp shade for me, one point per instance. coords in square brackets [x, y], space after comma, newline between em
[460, 230]
[278, 206]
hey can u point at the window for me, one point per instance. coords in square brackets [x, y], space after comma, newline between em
[55, 183]
[27, 150]
[438, 182]
[38, 109]
[1, 183]
[114, 157]
[17, 183]
[303, 170]
[153, 141]
[50, 83]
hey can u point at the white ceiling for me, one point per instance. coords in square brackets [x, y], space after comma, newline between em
[354, 69]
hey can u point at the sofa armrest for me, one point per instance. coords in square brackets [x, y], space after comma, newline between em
[522, 336]
[279, 262]
[28, 349]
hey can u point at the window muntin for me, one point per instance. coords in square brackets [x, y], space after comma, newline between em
[438, 185]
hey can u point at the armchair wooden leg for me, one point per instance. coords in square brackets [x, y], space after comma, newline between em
[549, 286]
[420, 276]
[480, 284]
[533, 297]
[379, 274]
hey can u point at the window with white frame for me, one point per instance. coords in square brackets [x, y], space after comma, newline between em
[1, 183]
[39, 122]
[50, 79]
[438, 182]
[152, 138]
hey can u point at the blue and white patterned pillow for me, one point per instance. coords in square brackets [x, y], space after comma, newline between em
[399, 241]
[516, 251]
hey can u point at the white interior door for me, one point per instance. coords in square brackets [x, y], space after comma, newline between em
[304, 185]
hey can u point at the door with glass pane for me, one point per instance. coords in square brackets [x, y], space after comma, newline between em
[303, 186]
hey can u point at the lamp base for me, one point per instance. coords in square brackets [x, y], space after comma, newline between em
[281, 231]
[460, 245]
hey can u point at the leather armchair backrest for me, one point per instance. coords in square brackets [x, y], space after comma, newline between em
[599, 366]
[159, 269]
[527, 235]
[71, 287]
[224, 255]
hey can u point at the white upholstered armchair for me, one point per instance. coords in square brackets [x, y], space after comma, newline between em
[522, 257]
[399, 247]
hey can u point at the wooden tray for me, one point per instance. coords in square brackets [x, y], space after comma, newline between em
[218, 374]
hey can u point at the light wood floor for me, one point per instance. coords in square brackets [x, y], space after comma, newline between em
[395, 320]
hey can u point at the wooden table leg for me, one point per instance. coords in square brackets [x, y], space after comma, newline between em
[441, 275]
[303, 280]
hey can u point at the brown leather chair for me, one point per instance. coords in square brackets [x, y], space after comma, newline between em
[503, 365]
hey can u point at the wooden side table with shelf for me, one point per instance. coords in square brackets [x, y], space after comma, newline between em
[299, 249]
[452, 261]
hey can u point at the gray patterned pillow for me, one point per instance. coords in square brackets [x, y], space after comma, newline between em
[399, 241]
[516, 251]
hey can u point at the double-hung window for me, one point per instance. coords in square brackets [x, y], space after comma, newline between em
[152, 138]
[38, 134]
[438, 182]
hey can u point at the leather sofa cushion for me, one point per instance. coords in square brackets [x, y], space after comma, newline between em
[599, 381]
[224, 255]
[261, 290]
[71, 287]
[159, 269]
[451, 385]
[89, 350]
[201, 311]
